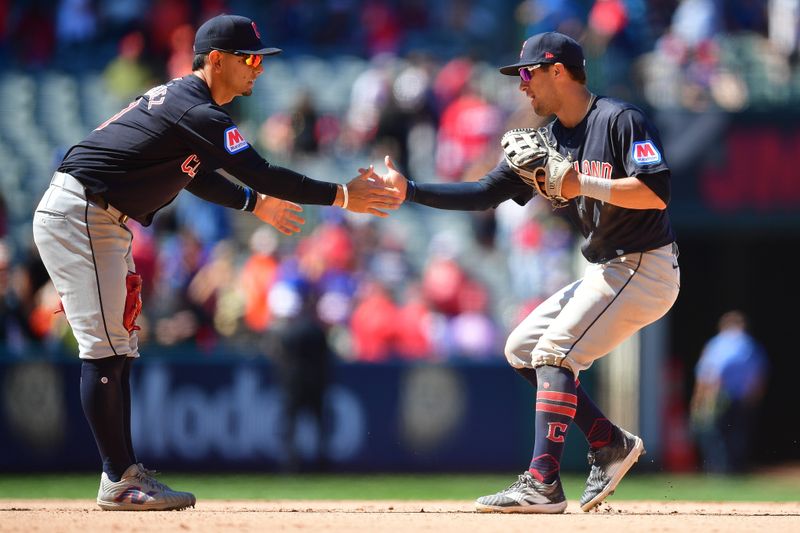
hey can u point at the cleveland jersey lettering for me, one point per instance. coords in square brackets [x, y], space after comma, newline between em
[599, 169]
[594, 144]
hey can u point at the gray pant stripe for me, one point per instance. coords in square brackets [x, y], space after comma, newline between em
[97, 278]
[607, 306]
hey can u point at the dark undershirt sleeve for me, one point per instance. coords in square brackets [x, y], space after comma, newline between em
[286, 184]
[216, 188]
[496, 187]
[208, 130]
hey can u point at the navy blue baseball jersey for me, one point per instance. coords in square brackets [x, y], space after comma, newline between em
[175, 137]
[614, 140]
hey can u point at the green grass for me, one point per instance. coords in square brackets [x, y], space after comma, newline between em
[664, 487]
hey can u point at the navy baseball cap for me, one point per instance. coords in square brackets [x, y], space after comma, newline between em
[550, 47]
[231, 33]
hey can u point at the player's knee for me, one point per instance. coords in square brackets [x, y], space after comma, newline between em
[516, 349]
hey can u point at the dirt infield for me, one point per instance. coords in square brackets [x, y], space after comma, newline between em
[378, 516]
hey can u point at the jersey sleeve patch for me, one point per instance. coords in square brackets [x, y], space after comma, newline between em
[234, 141]
[645, 153]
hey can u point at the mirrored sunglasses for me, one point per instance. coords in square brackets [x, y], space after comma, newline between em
[251, 60]
[526, 73]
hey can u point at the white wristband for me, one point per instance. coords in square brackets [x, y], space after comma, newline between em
[599, 188]
[345, 197]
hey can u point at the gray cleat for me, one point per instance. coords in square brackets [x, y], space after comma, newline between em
[138, 490]
[609, 465]
[526, 495]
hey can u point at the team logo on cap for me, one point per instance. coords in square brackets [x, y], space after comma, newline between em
[645, 153]
[255, 29]
[234, 142]
[548, 55]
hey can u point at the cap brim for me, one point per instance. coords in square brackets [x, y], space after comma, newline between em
[513, 70]
[262, 52]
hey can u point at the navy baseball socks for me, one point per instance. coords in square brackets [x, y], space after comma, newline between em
[103, 401]
[539, 489]
[126, 406]
[597, 429]
[125, 485]
[612, 452]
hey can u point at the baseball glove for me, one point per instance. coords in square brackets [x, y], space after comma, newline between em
[537, 162]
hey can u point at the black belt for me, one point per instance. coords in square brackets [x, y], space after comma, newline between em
[97, 200]
[101, 202]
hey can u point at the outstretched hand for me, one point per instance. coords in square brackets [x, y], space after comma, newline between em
[281, 214]
[393, 178]
[368, 193]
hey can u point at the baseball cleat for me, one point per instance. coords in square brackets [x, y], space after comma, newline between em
[526, 495]
[609, 465]
[138, 490]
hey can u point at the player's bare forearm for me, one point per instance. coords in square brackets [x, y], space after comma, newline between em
[632, 193]
[629, 192]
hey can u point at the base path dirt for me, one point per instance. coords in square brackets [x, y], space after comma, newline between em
[382, 516]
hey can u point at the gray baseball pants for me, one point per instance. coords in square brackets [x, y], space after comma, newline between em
[87, 252]
[590, 317]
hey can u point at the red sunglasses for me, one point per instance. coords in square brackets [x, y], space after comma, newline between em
[251, 60]
[526, 73]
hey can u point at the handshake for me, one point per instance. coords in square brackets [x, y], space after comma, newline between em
[369, 192]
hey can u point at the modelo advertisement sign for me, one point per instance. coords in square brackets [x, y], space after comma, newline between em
[215, 415]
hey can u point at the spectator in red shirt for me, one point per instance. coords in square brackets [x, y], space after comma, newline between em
[374, 324]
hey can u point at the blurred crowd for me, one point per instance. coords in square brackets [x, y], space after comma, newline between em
[376, 299]
[79, 34]
[670, 53]
[359, 79]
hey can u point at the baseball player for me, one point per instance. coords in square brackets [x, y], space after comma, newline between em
[174, 137]
[602, 160]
